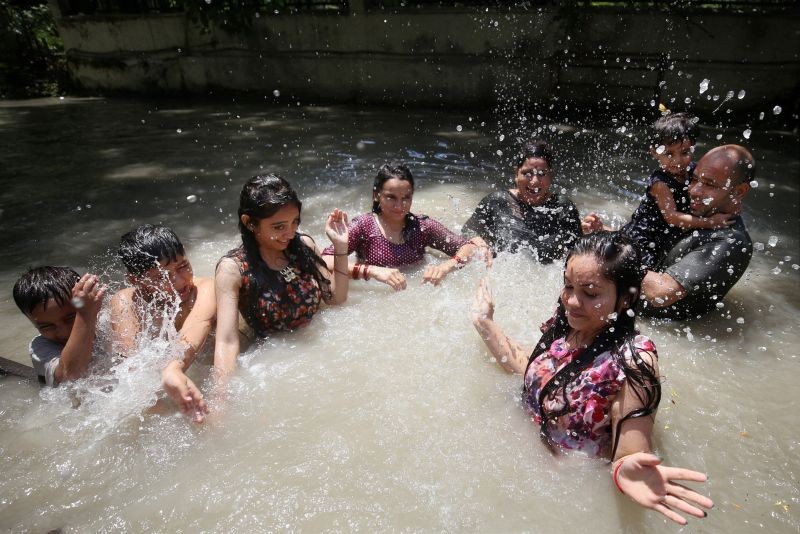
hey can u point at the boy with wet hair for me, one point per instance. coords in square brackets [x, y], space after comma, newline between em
[663, 216]
[63, 307]
[162, 283]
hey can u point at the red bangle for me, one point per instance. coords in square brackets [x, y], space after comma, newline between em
[354, 273]
[366, 272]
[616, 473]
[362, 270]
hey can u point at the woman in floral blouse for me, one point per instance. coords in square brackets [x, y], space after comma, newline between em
[276, 280]
[592, 382]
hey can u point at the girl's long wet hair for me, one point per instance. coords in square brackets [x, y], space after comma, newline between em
[388, 171]
[620, 263]
[262, 196]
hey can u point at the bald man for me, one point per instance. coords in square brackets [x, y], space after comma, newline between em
[702, 267]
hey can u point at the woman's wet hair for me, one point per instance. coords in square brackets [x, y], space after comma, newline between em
[388, 171]
[620, 263]
[674, 128]
[534, 148]
[262, 197]
[40, 284]
[147, 246]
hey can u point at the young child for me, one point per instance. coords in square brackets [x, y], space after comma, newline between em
[663, 215]
[162, 285]
[63, 307]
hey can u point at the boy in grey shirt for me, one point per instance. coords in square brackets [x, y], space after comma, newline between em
[63, 307]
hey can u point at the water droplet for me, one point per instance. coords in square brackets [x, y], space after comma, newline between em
[777, 110]
[629, 312]
[704, 86]
[191, 199]
[499, 152]
[719, 136]
[276, 93]
[741, 94]
[660, 149]
[758, 245]
[77, 302]
[459, 128]
[747, 133]
[179, 130]
[773, 240]
[754, 183]
[776, 270]
[502, 137]
[740, 320]
[761, 116]
[720, 305]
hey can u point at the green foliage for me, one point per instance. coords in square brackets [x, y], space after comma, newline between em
[31, 53]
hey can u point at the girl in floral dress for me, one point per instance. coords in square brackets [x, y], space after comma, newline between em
[592, 381]
[276, 280]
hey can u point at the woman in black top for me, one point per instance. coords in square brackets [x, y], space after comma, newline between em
[529, 215]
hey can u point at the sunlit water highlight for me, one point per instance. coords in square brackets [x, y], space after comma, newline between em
[387, 413]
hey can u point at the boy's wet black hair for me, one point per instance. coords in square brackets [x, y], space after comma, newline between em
[534, 148]
[145, 247]
[674, 128]
[40, 284]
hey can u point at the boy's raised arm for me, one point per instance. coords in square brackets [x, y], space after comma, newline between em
[87, 295]
[124, 323]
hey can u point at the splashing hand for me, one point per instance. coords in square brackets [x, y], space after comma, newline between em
[336, 229]
[483, 303]
[642, 478]
[434, 274]
[87, 296]
[391, 277]
[184, 392]
[592, 223]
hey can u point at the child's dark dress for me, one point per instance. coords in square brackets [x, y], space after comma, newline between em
[651, 234]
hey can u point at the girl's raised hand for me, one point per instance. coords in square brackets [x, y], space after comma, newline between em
[641, 477]
[336, 229]
[483, 303]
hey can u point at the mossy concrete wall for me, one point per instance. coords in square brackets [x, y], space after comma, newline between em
[450, 57]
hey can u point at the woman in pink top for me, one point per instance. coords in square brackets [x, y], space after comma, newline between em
[391, 236]
[592, 382]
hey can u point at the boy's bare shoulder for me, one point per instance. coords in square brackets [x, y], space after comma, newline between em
[123, 297]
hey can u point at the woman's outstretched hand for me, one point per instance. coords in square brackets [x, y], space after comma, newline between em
[336, 229]
[483, 303]
[389, 276]
[642, 478]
